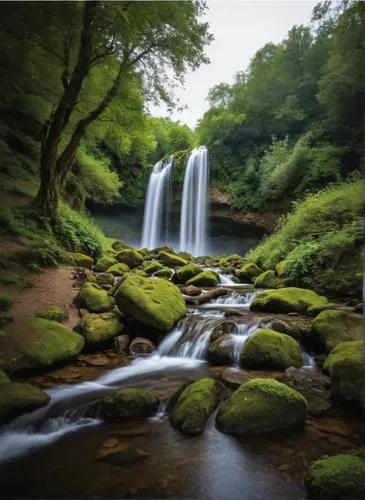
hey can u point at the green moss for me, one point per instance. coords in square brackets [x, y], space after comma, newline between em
[130, 257]
[54, 313]
[341, 476]
[185, 255]
[261, 405]
[346, 367]
[165, 272]
[119, 245]
[171, 260]
[16, 399]
[6, 301]
[93, 298]
[268, 279]
[267, 349]
[49, 343]
[287, 300]
[130, 404]
[81, 260]
[153, 302]
[230, 259]
[152, 267]
[118, 269]
[16, 280]
[104, 264]
[105, 279]
[90, 278]
[194, 406]
[97, 329]
[187, 272]
[280, 268]
[3, 378]
[248, 273]
[330, 328]
[206, 278]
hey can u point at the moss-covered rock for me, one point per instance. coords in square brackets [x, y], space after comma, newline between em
[82, 260]
[97, 329]
[49, 343]
[6, 301]
[221, 351]
[298, 327]
[152, 301]
[268, 279]
[267, 349]
[129, 404]
[346, 367]
[90, 278]
[172, 260]
[120, 245]
[4, 379]
[195, 404]
[129, 257]
[139, 272]
[341, 476]
[104, 264]
[105, 279]
[206, 278]
[93, 298]
[16, 399]
[330, 328]
[165, 272]
[118, 269]
[54, 313]
[187, 272]
[152, 267]
[287, 300]
[185, 255]
[262, 405]
[230, 260]
[248, 273]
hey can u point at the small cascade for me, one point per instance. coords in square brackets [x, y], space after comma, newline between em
[225, 279]
[188, 340]
[236, 299]
[241, 334]
[158, 195]
[194, 202]
[308, 360]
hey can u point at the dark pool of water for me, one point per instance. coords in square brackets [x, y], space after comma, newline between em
[223, 234]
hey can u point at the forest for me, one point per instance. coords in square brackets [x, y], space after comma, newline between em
[116, 348]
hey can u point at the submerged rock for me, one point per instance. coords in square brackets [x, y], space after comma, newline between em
[248, 273]
[97, 329]
[93, 298]
[153, 302]
[270, 350]
[130, 404]
[262, 405]
[130, 257]
[171, 260]
[117, 452]
[140, 346]
[53, 313]
[187, 272]
[341, 476]
[330, 328]
[288, 300]
[192, 409]
[16, 399]
[104, 264]
[206, 278]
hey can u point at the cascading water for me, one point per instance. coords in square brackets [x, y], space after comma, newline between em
[241, 334]
[194, 202]
[158, 195]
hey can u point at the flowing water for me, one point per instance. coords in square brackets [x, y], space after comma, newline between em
[158, 204]
[194, 202]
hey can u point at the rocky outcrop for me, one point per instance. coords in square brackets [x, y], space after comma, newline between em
[130, 404]
[98, 329]
[16, 399]
[93, 298]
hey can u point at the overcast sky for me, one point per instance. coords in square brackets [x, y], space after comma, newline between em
[240, 28]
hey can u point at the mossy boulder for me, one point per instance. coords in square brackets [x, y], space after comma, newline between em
[187, 272]
[330, 328]
[49, 343]
[120, 245]
[152, 301]
[248, 273]
[268, 279]
[165, 272]
[206, 278]
[6, 301]
[4, 379]
[139, 272]
[53, 313]
[341, 476]
[192, 409]
[128, 404]
[261, 405]
[280, 268]
[152, 267]
[231, 259]
[16, 399]
[90, 278]
[288, 300]
[130, 257]
[97, 329]
[185, 255]
[105, 279]
[269, 350]
[346, 367]
[221, 351]
[172, 260]
[82, 260]
[104, 264]
[93, 298]
[118, 269]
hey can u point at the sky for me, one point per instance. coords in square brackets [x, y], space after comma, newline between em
[240, 28]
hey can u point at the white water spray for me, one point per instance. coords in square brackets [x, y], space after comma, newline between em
[194, 202]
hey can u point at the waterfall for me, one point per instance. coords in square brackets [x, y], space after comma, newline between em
[158, 194]
[194, 202]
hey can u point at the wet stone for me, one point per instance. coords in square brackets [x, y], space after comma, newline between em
[119, 453]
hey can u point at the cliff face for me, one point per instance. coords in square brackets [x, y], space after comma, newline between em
[219, 197]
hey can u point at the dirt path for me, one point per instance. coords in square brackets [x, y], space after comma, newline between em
[52, 288]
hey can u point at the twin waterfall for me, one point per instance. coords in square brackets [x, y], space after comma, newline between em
[193, 205]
